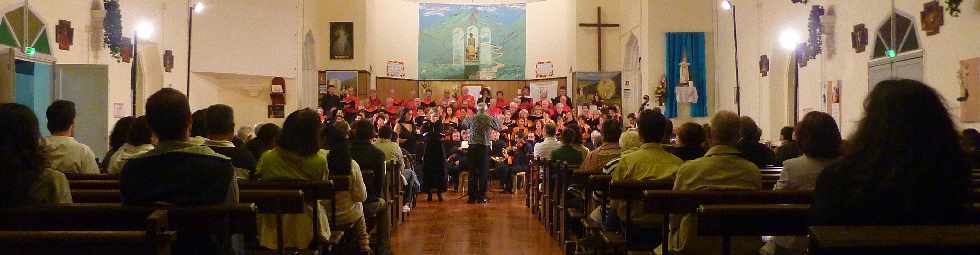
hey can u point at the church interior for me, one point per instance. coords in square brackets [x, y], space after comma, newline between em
[541, 126]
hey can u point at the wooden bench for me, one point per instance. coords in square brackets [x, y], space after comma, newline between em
[630, 193]
[936, 239]
[684, 202]
[26, 232]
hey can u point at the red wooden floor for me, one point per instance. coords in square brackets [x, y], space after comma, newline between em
[504, 226]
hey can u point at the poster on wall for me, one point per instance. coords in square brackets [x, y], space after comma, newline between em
[548, 87]
[395, 69]
[832, 99]
[472, 90]
[472, 41]
[343, 80]
[341, 40]
[604, 86]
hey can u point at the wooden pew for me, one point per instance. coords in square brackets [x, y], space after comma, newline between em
[683, 202]
[77, 176]
[631, 193]
[936, 239]
[31, 237]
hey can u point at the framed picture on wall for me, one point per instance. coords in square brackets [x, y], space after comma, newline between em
[343, 80]
[341, 40]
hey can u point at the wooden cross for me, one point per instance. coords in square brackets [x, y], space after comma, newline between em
[598, 25]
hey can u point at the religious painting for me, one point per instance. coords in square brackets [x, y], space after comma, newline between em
[343, 80]
[859, 38]
[341, 40]
[932, 17]
[472, 41]
[604, 86]
[64, 35]
[168, 60]
[764, 65]
[969, 75]
[126, 51]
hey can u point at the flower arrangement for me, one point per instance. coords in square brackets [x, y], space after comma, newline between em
[113, 28]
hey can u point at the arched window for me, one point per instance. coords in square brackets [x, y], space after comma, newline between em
[21, 27]
[898, 34]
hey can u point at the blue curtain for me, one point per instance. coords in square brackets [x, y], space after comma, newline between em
[693, 45]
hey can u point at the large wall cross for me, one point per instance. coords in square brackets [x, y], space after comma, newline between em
[598, 25]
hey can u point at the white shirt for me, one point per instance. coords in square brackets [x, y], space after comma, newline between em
[544, 149]
[69, 156]
[798, 174]
[125, 152]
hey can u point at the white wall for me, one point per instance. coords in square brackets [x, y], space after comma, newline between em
[761, 21]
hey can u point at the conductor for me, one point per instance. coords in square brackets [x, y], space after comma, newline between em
[480, 126]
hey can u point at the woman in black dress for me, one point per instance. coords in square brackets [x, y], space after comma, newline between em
[434, 161]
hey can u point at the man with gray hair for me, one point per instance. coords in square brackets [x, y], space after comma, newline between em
[722, 168]
[480, 126]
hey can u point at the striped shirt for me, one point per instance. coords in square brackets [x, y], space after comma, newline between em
[480, 127]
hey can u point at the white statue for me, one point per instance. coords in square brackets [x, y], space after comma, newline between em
[685, 71]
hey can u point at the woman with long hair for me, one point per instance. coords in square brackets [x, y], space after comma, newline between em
[297, 157]
[116, 139]
[25, 179]
[434, 161]
[138, 141]
[349, 205]
[902, 166]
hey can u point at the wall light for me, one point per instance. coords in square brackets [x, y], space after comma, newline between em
[144, 30]
[789, 39]
[726, 5]
[198, 7]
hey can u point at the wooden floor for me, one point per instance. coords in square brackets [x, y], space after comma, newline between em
[504, 226]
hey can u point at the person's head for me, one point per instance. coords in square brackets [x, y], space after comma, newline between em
[562, 91]
[339, 156]
[61, 117]
[596, 137]
[301, 133]
[611, 130]
[690, 135]
[819, 136]
[139, 133]
[786, 134]
[21, 157]
[629, 141]
[724, 128]
[485, 92]
[906, 119]
[247, 133]
[331, 89]
[199, 123]
[748, 130]
[500, 94]
[267, 134]
[362, 130]
[169, 115]
[652, 126]
[119, 131]
[571, 135]
[971, 139]
[386, 133]
[221, 122]
[550, 130]
[428, 93]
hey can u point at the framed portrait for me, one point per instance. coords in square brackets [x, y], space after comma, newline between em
[341, 40]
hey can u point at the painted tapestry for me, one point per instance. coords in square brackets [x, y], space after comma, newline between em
[475, 42]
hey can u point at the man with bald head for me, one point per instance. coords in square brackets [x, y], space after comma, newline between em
[722, 168]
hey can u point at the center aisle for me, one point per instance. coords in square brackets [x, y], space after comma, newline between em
[504, 226]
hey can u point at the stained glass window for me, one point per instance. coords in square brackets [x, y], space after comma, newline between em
[22, 27]
[905, 37]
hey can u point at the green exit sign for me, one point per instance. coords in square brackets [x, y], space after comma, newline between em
[891, 53]
[29, 50]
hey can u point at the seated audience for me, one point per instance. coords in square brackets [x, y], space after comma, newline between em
[720, 169]
[903, 164]
[265, 140]
[388, 146]
[139, 140]
[569, 151]
[25, 179]
[372, 163]
[297, 157]
[629, 141]
[221, 132]
[178, 172]
[749, 145]
[350, 207]
[611, 130]
[543, 149]
[689, 140]
[245, 134]
[64, 153]
[789, 148]
[648, 163]
[820, 141]
[116, 139]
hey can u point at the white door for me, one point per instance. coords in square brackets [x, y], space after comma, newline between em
[88, 87]
[908, 69]
[878, 74]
